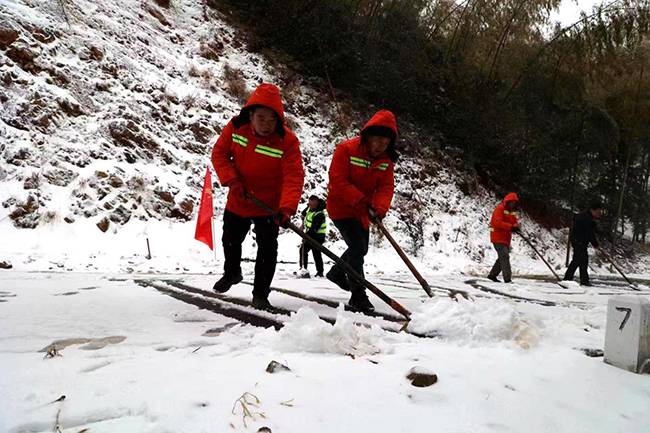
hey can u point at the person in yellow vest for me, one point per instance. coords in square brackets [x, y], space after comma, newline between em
[315, 218]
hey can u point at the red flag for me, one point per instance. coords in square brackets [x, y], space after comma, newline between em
[204, 222]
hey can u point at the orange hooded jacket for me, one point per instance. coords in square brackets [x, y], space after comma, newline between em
[502, 222]
[353, 176]
[270, 168]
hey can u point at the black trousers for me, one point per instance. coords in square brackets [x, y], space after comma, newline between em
[235, 229]
[580, 260]
[305, 247]
[357, 239]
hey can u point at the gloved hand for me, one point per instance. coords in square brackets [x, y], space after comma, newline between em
[237, 188]
[362, 206]
[516, 229]
[376, 213]
[283, 217]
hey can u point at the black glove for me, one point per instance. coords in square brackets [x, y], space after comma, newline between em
[516, 229]
[283, 218]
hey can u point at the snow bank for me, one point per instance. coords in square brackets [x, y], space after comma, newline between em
[474, 322]
[306, 332]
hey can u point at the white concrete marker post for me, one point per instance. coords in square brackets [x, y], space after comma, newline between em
[627, 336]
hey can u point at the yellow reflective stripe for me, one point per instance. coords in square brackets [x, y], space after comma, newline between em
[243, 141]
[241, 137]
[240, 143]
[505, 212]
[360, 162]
[491, 229]
[383, 166]
[269, 151]
[513, 213]
[264, 152]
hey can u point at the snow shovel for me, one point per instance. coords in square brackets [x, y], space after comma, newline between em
[350, 271]
[632, 285]
[401, 253]
[542, 257]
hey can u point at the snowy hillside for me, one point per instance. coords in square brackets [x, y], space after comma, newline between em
[107, 126]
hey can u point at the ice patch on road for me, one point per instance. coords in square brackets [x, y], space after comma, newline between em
[474, 322]
[306, 332]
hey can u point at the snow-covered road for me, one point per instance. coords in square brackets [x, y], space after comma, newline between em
[502, 364]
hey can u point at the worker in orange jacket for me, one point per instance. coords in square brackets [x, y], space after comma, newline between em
[361, 185]
[502, 225]
[257, 154]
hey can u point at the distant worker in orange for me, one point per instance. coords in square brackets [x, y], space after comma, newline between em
[502, 225]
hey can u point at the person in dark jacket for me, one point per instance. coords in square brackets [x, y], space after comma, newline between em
[315, 218]
[583, 233]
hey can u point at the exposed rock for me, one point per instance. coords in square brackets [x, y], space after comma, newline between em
[276, 367]
[163, 3]
[32, 182]
[593, 353]
[22, 54]
[69, 219]
[60, 176]
[127, 133]
[115, 181]
[96, 53]
[101, 174]
[183, 210]
[421, 377]
[121, 215]
[165, 195]
[103, 225]
[3, 173]
[6, 265]
[44, 36]
[69, 107]
[7, 35]
[264, 430]
[20, 157]
[202, 132]
[25, 215]
[156, 13]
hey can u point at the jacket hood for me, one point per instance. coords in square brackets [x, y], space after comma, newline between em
[266, 95]
[511, 197]
[383, 119]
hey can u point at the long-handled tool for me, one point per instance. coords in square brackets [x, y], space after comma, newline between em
[540, 256]
[401, 253]
[350, 271]
[617, 268]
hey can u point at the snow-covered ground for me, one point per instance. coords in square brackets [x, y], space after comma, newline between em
[145, 362]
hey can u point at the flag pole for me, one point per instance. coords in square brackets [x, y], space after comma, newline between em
[214, 247]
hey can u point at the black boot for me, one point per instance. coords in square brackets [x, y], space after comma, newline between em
[495, 279]
[226, 282]
[359, 301]
[339, 279]
[262, 303]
